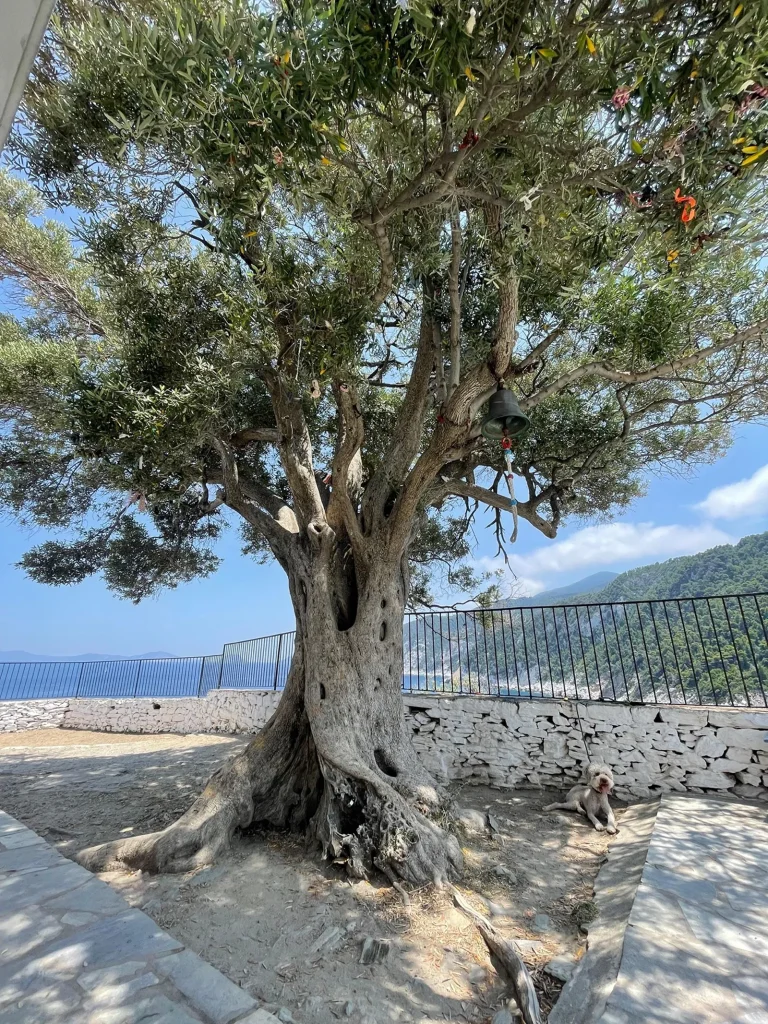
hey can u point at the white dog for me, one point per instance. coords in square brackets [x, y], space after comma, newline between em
[591, 796]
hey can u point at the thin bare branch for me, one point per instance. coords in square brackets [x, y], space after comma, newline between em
[659, 372]
[537, 351]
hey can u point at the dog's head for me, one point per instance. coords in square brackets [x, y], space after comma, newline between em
[599, 777]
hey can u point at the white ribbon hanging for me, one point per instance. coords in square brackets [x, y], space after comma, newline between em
[511, 488]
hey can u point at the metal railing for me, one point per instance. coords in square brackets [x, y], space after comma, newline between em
[692, 650]
[145, 677]
[707, 650]
[260, 664]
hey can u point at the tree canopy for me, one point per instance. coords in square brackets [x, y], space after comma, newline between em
[309, 240]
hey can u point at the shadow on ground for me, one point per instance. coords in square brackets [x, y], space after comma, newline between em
[288, 928]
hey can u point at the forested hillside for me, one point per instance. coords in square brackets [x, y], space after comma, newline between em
[728, 569]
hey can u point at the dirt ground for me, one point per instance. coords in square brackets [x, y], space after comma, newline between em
[288, 928]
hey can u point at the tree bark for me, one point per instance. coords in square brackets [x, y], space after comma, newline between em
[335, 760]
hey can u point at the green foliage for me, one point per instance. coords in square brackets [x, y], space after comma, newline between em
[269, 193]
[134, 563]
[32, 371]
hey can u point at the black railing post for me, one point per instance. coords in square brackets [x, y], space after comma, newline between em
[277, 662]
[200, 681]
[221, 667]
[79, 679]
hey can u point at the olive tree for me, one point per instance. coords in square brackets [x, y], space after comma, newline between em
[309, 242]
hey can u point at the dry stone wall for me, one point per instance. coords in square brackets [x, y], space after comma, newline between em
[16, 715]
[651, 748]
[231, 711]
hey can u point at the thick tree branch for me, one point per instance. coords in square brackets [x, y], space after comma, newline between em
[455, 431]
[269, 435]
[462, 489]
[240, 498]
[295, 448]
[252, 489]
[347, 467]
[407, 432]
[441, 388]
[481, 380]
[454, 365]
[281, 512]
[386, 277]
[212, 504]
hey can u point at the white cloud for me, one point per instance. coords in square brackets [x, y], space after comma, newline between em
[617, 544]
[734, 501]
[522, 586]
[527, 587]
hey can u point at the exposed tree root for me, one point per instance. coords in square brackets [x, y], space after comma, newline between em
[385, 869]
[510, 961]
[279, 780]
[362, 821]
[366, 822]
[198, 838]
[344, 772]
[275, 780]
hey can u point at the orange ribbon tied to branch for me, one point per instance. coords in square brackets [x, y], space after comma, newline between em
[689, 207]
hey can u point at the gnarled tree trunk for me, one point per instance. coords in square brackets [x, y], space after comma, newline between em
[335, 760]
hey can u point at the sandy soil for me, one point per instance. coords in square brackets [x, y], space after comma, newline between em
[81, 737]
[260, 917]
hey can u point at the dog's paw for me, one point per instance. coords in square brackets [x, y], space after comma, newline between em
[611, 830]
[599, 827]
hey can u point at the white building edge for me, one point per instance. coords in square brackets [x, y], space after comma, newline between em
[22, 24]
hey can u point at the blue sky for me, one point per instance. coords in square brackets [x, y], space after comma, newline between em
[721, 503]
[718, 504]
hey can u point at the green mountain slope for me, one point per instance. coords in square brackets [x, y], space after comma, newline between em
[728, 569]
[711, 651]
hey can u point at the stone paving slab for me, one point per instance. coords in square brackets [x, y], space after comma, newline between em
[18, 890]
[696, 946]
[72, 951]
[584, 998]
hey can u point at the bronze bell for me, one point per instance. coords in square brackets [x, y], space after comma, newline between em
[505, 417]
